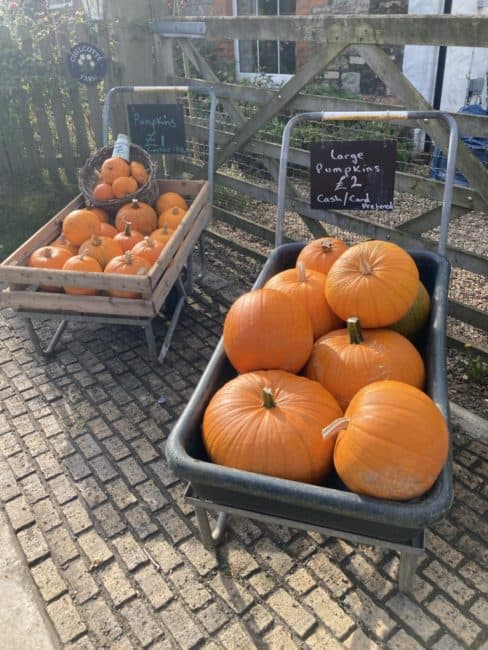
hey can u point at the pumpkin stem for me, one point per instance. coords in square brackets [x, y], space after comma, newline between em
[354, 330]
[334, 427]
[326, 246]
[47, 252]
[135, 203]
[302, 272]
[364, 266]
[128, 228]
[150, 243]
[268, 400]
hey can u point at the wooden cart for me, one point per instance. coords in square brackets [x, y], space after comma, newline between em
[22, 290]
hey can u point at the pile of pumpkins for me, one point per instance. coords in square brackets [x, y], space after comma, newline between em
[328, 375]
[130, 244]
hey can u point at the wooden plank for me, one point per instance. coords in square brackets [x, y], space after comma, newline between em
[235, 246]
[63, 304]
[63, 137]
[474, 125]
[456, 256]
[391, 29]
[39, 102]
[239, 119]
[281, 98]
[248, 226]
[429, 220]
[389, 72]
[467, 314]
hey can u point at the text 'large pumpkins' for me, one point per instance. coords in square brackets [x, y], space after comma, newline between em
[267, 329]
[393, 441]
[375, 280]
[270, 422]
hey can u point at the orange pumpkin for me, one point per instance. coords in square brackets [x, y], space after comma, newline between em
[168, 200]
[171, 217]
[103, 249]
[141, 215]
[267, 329]
[376, 281]
[271, 422]
[62, 242]
[103, 214]
[392, 443]
[82, 264]
[162, 235]
[345, 360]
[49, 257]
[320, 254]
[79, 225]
[308, 288]
[127, 264]
[148, 249]
[139, 172]
[107, 230]
[113, 168]
[103, 192]
[128, 237]
[123, 186]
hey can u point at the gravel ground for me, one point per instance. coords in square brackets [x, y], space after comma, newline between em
[467, 371]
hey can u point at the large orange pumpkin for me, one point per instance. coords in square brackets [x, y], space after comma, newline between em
[271, 422]
[267, 329]
[141, 215]
[79, 225]
[392, 443]
[374, 280]
[103, 249]
[127, 264]
[320, 254]
[83, 264]
[345, 360]
[308, 287]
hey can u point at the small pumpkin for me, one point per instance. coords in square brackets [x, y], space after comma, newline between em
[149, 249]
[107, 230]
[82, 264]
[113, 168]
[79, 225]
[416, 317]
[123, 186]
[103, 249]
[345, 360]
[128, 237]
[139, 172]
[271, 422]
[168, 200]
[62, 242]
[140, 214]
[307, 286]
[392, 442]
[374, 280]
[127, 264]
[162, 235]
[267, 329]
[320, 254]
[171, 217]
[49, 257]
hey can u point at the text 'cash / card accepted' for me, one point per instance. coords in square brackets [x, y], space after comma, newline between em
[352, 175]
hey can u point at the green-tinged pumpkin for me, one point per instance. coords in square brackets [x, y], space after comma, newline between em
[392, 442]
[416, 317]
[270, 422]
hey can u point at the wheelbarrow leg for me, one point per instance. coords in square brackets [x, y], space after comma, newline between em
[52, 343]
[182, 295]
[210, 538]
[406, 571]
[151, 345]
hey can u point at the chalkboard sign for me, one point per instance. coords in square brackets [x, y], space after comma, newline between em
[158, 128]
[349, 175]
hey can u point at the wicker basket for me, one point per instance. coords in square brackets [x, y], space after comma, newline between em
[88, 178]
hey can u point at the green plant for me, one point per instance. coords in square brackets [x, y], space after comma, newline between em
[476, 367]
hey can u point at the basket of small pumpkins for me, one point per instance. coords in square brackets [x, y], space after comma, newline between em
[109, 182]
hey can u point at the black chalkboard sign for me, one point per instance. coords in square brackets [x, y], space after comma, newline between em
[352, 175]
[157, 128]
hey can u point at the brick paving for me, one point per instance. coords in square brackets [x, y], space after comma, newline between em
[114, 549]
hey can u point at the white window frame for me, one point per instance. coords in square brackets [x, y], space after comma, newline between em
[273, 78]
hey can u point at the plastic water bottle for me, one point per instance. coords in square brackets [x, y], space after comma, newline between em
[122, 147]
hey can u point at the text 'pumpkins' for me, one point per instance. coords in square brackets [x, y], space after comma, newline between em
[270, 422]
